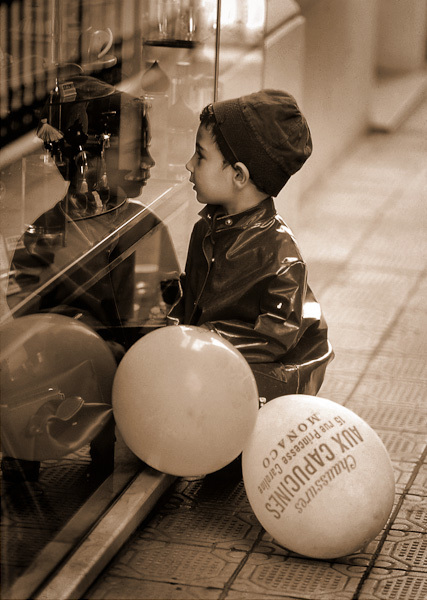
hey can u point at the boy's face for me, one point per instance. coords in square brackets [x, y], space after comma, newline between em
[212, 180]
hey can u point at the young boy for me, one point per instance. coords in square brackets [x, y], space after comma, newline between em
[244, 277]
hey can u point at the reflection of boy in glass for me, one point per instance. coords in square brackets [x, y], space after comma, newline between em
[104, 154]
[91, 247]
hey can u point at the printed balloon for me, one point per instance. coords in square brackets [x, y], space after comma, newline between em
[317, 476]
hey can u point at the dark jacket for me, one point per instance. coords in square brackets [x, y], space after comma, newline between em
[245, 279]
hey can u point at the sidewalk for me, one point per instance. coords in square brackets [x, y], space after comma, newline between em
[364, 238]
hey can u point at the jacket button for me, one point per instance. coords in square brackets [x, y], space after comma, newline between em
[228, 221]
[213, 259]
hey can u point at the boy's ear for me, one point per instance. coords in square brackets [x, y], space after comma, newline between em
[241, 175]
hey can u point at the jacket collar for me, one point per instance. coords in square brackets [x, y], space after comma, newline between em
[260, 213]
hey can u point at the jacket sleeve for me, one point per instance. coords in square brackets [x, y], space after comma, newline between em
[287, 310]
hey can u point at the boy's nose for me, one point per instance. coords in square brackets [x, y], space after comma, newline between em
[189, 165]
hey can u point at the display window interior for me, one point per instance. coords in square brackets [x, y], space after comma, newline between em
[100, 104]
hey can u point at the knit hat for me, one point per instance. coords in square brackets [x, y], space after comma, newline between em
[267, 132]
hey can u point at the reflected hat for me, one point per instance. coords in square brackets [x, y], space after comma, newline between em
[267, 132]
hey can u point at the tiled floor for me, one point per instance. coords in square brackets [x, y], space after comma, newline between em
[363, 233]
[44, 521]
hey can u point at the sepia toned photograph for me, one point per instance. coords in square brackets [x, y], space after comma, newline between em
[213, 299]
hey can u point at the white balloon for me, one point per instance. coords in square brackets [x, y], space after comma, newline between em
[317, 476]
[184, 400]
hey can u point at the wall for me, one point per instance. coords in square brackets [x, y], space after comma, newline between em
[340, 60]
[325, 53]
[402, 35]
[284, 69]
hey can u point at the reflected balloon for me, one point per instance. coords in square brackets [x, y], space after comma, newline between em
[317, 476]
[56, 381]
[184, 400]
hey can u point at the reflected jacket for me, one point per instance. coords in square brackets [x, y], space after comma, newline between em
[245, 279]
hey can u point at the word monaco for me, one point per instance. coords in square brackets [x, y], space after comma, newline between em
[300, 442]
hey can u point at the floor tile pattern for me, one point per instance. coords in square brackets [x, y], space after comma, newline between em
[33, 512]
[362, 230]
